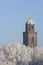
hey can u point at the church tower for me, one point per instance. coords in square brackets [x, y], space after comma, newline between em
[30, 36]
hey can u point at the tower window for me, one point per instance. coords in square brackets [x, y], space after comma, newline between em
[32, 39]
[29, 28]
[32, 27]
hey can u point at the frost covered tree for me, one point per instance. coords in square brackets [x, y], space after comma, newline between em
[20, 55]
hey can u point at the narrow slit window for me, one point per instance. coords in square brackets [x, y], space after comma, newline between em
[32, 39]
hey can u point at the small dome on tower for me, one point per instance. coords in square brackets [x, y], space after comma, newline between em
[30, 21]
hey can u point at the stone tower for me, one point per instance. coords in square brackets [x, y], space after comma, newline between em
[30, 36]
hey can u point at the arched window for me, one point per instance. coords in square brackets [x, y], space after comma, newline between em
[29, 28]
[32, 28]
[32, 39]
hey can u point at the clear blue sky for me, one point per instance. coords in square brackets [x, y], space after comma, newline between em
[14, 14]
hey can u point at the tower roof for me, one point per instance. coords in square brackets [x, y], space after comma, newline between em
[30, 21]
